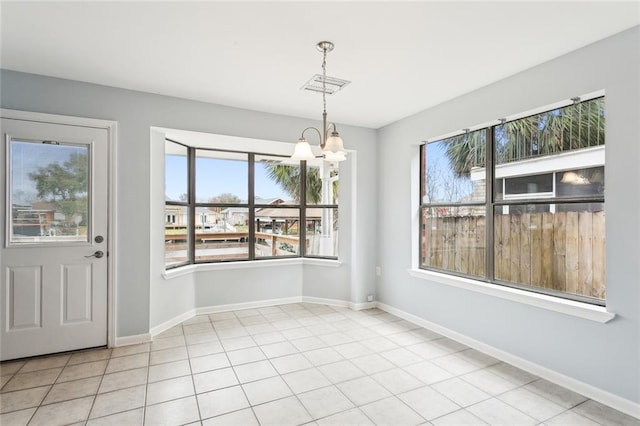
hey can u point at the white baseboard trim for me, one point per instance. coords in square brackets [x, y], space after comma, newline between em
[324, 301]
[154, 331]
[362, 306]
[246, 305]
[338, 302]
[614, 401]
[132, 340]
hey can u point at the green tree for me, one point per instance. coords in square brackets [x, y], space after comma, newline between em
[563, 129]
[288, 177]
[64, 185]
[225, 198]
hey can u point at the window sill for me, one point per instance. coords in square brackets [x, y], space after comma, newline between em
[189, 269]
[568, 307]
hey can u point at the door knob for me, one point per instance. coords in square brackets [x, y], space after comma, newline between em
[98, 254]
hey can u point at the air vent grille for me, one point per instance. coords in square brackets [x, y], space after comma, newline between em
[332, 84]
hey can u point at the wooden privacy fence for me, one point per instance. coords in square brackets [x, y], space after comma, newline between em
[563, 251]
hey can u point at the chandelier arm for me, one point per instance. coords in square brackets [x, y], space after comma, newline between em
[317, 131]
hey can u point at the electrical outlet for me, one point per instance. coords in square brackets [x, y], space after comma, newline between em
[370, 298]
[378, 271]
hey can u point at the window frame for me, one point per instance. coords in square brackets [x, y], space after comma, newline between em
[251, 205]
[491, 202]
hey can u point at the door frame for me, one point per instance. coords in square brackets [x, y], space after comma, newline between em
[112, 134]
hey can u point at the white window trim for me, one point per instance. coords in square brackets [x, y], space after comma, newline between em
[550, 303]
[250, 264]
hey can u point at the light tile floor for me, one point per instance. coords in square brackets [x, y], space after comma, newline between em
[289, 365]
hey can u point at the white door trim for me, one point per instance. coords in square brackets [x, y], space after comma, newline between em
[112, 129]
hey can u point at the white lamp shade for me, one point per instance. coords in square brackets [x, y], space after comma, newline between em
[334, 156]
[333, 144]
[302, 151]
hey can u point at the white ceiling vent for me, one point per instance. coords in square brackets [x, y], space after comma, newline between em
[332, 84]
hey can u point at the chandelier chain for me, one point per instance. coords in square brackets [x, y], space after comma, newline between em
[324, 79]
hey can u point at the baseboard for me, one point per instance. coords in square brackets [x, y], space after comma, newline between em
[614, 401]
[133, 340]
[172, 322]
[362, 306]
[247, 305]
[324, 301]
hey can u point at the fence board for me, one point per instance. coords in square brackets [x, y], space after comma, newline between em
[572, 253]
[564, 251]
[585, 275]
[546, 279]
[559, 255]
[459, 244]
[598, 260]
[536, 249]
[514, 252]
[525, 248]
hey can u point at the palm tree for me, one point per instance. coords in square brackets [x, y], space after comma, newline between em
[288, 177]
[573, 127]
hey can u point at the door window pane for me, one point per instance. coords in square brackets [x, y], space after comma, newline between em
[49, 192]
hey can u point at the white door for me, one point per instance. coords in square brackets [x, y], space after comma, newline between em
[54, 238]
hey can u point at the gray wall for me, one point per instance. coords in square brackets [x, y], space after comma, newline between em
[138, 275]
[604, 355]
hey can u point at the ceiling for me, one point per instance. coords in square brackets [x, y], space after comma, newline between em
[401, 57]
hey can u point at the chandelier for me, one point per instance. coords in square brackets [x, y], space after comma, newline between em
[330, 143]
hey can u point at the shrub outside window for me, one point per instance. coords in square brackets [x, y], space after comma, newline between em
[238, 206]
[539, 224]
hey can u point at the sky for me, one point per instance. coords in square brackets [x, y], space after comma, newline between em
[215, 177]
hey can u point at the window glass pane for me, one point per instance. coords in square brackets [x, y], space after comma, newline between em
[277, 232]
[176, 175]
[564, 129]
[580, 183]
[453, 239]
[221, 177]
[454, 169]
[322, 231]
[277, 180]
[175, 235]
[532, 144]
[221, 234]
[322, 182]
[49, 192]
[532, 184]
[557, 247]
